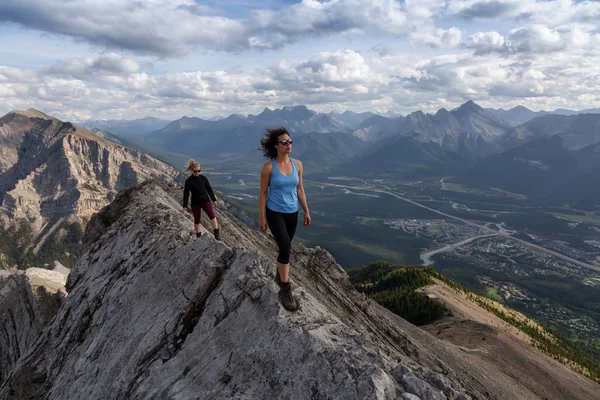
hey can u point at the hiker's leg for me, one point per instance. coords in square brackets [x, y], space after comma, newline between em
[207, 207]
[291, 223]
[197, 210]
[277, 225]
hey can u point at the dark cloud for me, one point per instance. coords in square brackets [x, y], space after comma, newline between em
[538, 39]
[381, 50]
[488, 9]
[174, 27]
[199, 9]
[110, 64]
[515, 90]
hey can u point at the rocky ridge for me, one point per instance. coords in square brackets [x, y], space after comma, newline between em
[154, 313]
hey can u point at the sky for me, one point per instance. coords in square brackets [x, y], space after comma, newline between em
[121, 59]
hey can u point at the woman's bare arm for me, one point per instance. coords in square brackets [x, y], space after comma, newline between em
[265, 176]
[302, 195]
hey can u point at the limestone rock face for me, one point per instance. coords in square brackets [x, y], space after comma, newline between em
[154, 313]
[53, 169]
[53, 176]
[25, 310]
[51, 281]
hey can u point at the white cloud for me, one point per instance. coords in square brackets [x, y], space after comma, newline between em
[487, 42]
[535, 39]
[548, 12]
[15, 75]
[541, 39]
[106, 65]
[330, 54]
[337, 69]
[451, 37]
[7, 91]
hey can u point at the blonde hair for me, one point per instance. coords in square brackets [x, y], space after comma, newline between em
[191, 164]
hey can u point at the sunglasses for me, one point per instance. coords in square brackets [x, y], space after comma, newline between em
[286, 141]
[196, 171]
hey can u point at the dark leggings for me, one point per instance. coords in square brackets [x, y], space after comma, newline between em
[283, 226]
[197, 210]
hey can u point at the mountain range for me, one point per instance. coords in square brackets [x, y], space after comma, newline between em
[578, 131]
[515, 116]
[126, 127]
[54, 174]
[236, 135]
[543, 170]
[448, 142]
[519, 115]
[469, 130]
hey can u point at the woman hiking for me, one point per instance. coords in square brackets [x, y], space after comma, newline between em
[280, 190]
[202, 194]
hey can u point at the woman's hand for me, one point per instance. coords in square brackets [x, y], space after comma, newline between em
[263, 224]
[307, 219]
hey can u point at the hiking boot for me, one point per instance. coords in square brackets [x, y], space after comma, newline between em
[287, 300]
[198, 234]
[217, 234]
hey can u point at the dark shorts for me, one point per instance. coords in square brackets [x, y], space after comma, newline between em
[197, 210]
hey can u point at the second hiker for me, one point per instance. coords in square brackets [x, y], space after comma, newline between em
[202, 194]
[280, 190]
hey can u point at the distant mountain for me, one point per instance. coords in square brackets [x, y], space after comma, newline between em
[469, 130]
[578, 131]
[582, 186]
[55, 175]
[299, 120]
[201, 138]
[542, 169]
[535, 168]
[327, 149]
[317, 151]
[393, 114]
[519, 115]
[377, 128]
[563, 111]
[126, 127]
[351, 118]
[405, 157]
[236, 135]
[106, 135]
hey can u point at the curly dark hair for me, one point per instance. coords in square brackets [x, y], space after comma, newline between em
[269, 142]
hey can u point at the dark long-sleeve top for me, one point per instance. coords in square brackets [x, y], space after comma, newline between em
[200, 189]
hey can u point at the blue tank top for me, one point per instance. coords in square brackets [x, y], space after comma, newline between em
[283, 195]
